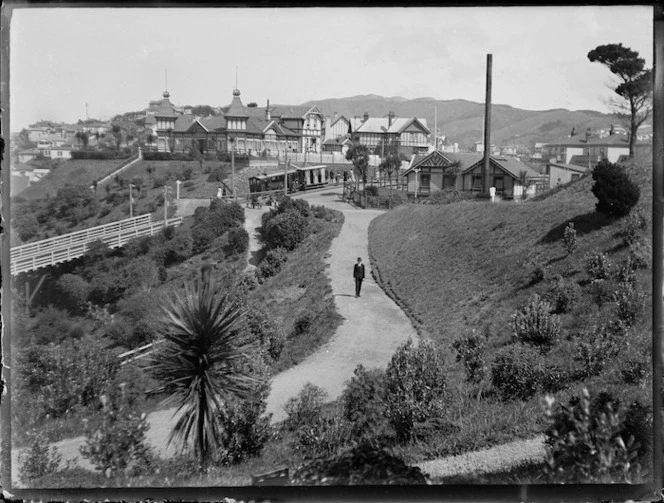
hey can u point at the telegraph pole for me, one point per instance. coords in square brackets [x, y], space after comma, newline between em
[487, 127]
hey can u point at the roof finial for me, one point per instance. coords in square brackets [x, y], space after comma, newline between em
[166, 93]
[236, 91]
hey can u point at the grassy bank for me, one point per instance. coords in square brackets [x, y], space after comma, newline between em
[302, 290]
[471, 266]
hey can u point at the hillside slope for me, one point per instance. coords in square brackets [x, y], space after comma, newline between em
[466, 264]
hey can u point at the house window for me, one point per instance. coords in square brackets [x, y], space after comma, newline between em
[477, 182]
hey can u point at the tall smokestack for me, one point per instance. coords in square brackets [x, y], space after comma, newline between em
[486, 181]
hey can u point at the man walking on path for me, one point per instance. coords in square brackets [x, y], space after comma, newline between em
[358, 274]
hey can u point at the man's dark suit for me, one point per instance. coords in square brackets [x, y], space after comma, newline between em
[358, 274]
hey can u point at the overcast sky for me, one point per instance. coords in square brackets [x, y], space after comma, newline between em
[115, 59]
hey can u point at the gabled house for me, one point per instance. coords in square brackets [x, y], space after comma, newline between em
[504, 174]
[592, 149]
[463, 171]
[411, 135]
[243, 130]
[339, 144]
[307, 122]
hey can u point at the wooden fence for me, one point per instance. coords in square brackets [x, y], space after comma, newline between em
[47, 252]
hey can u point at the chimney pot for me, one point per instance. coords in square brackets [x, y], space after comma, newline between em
[366, 116]
[390, 118]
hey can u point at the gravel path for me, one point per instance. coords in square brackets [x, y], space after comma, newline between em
[373, 325]
[487, 460]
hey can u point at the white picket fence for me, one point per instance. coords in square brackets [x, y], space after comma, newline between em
[55, 250]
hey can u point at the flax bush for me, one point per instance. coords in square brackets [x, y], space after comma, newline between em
[470, 349]
[535, 325]
[415, 383]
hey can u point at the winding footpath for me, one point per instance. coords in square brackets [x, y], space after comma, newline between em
[373, 327]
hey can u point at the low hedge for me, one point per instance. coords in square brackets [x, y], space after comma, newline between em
[99, 154]
[166, 156]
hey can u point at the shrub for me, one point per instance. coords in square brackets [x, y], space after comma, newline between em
[640, 252]
[267, 331]
[324, 436]
[597, 348]
[238, 240]
[538, 270]
[616, 193]
[586, 441]
[371, 190]
[600, 292]
[243, 425]
[598, 266]
[629, 299]
[363, 404]
[51, 325]
[202, 236]
[271, 264]
[363, 464]
[285, 230]
[446, 196]
[534, 324]
[61, 378]
[118, 442]
[470, 349]
[515, 372]
[569, 239]
[633, 227]
[165, 156]
[302, 324]
[564, 295]
[415, 382]
[627, 272]
[39, 458]
[218, 174]
[306, 408]
[180, 248]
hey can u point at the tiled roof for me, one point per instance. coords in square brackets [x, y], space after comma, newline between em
[514, 166]
[570, 167]
[165, 109]
[183, 122]
[382, 125]
[337, 141]
[236, 109]
[295, 112]
[466, 160]
[213, 122]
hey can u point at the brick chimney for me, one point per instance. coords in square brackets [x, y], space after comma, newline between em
[390, 118]
[366, 116]
[267, 110]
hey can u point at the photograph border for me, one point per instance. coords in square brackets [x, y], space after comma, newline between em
[614, 492]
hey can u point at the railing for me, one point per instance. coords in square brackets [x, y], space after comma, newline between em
[138, 353]
[67, 247]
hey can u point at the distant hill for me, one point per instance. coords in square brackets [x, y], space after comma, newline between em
[462, 121]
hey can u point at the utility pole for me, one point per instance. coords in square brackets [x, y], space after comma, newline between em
[232, 140]
[165, 205]
[435, 128]
[487, 127]
[131, 202]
